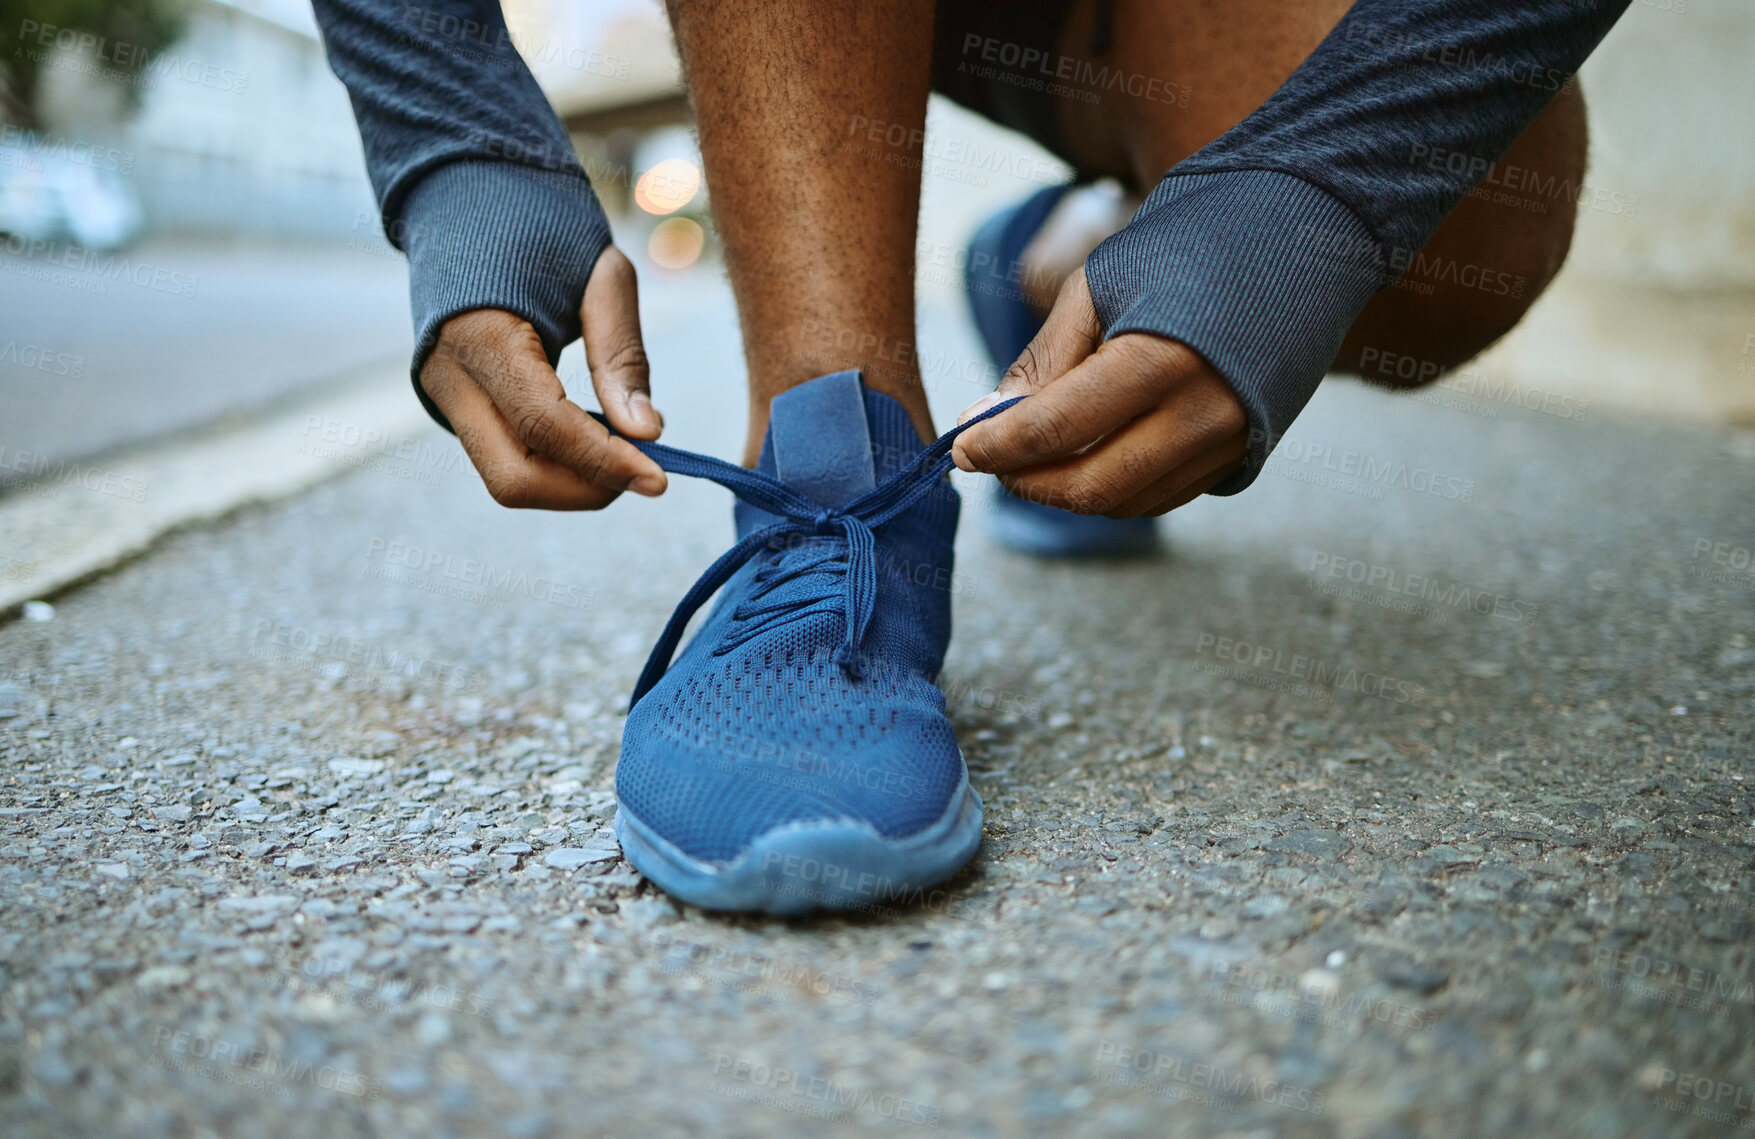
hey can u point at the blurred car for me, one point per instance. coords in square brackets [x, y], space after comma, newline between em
[50, 197]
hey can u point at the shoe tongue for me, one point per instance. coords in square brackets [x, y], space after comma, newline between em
[820, 442]
[832, 440]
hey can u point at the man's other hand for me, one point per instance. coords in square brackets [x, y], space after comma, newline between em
[1134, 425]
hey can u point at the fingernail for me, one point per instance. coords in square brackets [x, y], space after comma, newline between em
[979, 406]
[640, 407]
[649, 485]
[961, 460]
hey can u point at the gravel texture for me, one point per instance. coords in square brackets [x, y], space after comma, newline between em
[298, 840]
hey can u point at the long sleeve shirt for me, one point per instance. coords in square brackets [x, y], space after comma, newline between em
[1258, 251]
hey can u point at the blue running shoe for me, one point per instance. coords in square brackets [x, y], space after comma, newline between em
[1007, 324]
[797, 754]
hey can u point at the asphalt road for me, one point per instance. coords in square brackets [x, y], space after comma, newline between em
[100, 350]
[1407, 795]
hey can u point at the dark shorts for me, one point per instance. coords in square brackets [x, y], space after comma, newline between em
[998, 58]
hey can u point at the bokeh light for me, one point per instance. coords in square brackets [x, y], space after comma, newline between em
[668, 186]
[676, 243]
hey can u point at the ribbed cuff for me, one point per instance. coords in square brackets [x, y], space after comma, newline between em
[501, 236]
[1260, 272]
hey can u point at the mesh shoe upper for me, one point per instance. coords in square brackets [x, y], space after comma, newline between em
[769, 717]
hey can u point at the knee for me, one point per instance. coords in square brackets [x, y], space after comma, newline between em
[1452, 304]
[1425, 325]
[1485, 267]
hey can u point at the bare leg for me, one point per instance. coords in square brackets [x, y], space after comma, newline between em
[819, 241]
[1233, 54]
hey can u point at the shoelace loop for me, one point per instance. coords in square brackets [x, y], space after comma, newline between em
[854, 523]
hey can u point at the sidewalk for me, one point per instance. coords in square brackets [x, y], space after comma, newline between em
[1407, 795]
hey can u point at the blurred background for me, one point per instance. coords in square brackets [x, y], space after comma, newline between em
[190, 237]
[357, 703]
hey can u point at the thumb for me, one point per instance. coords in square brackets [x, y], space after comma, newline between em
[1070, 334]
[610, 318]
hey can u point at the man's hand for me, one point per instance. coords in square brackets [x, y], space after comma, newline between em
[1137, 425]
[533, 446]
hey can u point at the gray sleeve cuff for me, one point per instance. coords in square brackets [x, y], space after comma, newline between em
[1260, 272]
[502, 236]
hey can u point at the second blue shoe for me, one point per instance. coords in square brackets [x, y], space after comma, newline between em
[796, 755]
[1007, 324]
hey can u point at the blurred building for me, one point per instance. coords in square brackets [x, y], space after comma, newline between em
[240, 128]
[1655, 309]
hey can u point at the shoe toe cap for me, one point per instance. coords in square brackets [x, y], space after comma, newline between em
[712, 787]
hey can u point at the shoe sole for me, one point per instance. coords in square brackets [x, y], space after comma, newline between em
[832, 865]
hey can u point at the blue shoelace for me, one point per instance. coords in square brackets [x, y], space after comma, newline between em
[800, 516]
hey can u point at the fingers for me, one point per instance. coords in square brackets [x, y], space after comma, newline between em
[614, 351]
[1143, 464]
[1070, 334]
[513, 476]
[516, 423]
[1135, 425]
[1082, 388]
[1122, 380]
[529, 395]
[1180, 487]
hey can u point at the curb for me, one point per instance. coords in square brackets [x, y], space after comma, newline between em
[91, 515]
